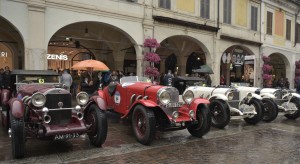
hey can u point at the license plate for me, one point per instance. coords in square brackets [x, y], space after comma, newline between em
[66, 136]
[174, 105]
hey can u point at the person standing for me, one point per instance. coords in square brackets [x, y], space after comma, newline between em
[168, 78]
[7, 78]
[76, 82]
[1, 78]
[88, 81]
[66, 79]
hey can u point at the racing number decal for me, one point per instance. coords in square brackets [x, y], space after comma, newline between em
[41, 80]
[117, 98]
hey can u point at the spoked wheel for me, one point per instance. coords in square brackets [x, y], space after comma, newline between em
[204, 122]
[143, 123]
[220, 114]
[294, 103]
[17, 137]
[98, 121]
[259, 110]
[270, 110]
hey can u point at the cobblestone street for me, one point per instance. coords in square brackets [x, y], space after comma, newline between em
[276, 142]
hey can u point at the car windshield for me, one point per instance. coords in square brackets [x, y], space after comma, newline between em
[133, 79]
[40, 79]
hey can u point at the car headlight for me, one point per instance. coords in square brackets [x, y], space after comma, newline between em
[38, 99]
[249, 95]
[188, 97]
[82, 98]
[230, 96]
[164, 97]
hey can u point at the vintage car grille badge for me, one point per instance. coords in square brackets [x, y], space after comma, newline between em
[60, 104]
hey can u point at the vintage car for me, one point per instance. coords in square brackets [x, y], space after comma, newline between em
[286, 101]
[226, 102]
[183, 82]
[154, 107]
[38, 107]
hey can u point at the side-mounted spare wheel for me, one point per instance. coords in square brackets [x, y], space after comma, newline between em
[220, 113]
[98, 121]
[294, 103]
[17, 136]
[204, 122]
[143, 124]
[259, 110]
[270, 110]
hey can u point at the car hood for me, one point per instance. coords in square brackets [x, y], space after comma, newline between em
[143, 86]
[30, 89]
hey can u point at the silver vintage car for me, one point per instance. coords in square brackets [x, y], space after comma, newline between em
[226, 102]
[286, 101]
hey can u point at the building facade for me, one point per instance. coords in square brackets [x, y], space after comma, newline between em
[231, 36]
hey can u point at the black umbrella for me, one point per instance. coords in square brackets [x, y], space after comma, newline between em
[204, 69]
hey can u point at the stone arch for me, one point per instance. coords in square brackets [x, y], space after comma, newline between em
[182, 46]
[279, 67]
[12, 38]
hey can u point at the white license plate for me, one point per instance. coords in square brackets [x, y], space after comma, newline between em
[174, 105]
[66, 136]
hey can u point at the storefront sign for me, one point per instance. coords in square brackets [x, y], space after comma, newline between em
[57, 57]
[3, 54]
[238, 56]
[226, 57]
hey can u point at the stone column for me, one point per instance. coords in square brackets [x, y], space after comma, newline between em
[139, 60]
[35, 52]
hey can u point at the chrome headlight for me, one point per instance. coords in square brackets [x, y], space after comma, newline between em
[38, 99]
[230, 96]
[82, 98]
[164, 97]
[188, 97]
[249, 95]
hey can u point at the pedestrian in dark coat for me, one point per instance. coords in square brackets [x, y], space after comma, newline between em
[1, 78]
[7, 78]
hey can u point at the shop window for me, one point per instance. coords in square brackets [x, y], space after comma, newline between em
[298, 33]
[227, 11]
[205, 9]
[165, 4]
[288, 29]
[254, 18]
[269, 22]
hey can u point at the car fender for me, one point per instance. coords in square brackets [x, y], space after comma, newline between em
[256, 96]
[146, 103]
[5, 96]
[100, 101]
[218, 96]
[293, 94]
[16, 107]
[194, 104]
[267, 95]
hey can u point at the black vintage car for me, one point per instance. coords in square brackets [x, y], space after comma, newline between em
[38, 107]
[183, 82]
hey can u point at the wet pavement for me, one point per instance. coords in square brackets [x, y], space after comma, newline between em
[276, 142]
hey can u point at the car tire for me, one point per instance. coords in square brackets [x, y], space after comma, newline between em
[259, 110]
[296, 114]
[143, 124]
[98, 120]
[204, 122]
[220, 113]
[270, 110]
[17, 136]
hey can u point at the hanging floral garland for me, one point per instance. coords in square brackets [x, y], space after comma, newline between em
[267, 69]
[151, 57]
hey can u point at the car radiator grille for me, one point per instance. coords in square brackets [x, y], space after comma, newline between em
[59, 116]
[173, 93]
[236, 95]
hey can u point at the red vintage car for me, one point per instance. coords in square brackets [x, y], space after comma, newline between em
[153, 107]
[38, 107]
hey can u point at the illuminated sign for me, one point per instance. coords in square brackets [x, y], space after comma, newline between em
[3, 54]
[57, 57]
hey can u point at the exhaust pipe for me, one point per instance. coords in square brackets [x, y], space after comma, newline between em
[80, 115]
[47, 118]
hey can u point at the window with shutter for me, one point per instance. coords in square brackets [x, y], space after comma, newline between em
[205, 9]
[227, 11]
[165, 4]
[288, 29]
[269, 22]
[254, 12]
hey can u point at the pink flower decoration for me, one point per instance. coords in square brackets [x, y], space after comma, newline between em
[267, 68]
[152, 57]
[266, 59]
[267, 77]
[151, 42]
[152, 71]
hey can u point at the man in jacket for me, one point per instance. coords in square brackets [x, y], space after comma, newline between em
[88, 81]
[66, 80]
